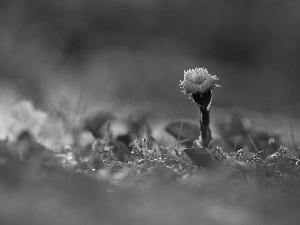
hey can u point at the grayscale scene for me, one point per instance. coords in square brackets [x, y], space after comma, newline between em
[149, 112]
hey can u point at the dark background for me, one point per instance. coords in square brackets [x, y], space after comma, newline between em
[135, 51]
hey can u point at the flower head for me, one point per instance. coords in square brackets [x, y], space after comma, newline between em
[198, 80]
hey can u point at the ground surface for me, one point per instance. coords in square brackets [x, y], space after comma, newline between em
[39, 187]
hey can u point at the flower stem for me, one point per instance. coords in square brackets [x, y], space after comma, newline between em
[203, 101]
[204, 127]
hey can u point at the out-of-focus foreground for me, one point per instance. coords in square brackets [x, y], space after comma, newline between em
[86, 185]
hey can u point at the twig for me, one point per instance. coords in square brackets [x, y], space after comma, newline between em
[179, 134]
[221, 154]
[253, 143]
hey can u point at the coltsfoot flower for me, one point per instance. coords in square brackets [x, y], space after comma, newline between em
[198, 80]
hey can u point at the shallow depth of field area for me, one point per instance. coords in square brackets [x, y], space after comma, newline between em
[95, 129]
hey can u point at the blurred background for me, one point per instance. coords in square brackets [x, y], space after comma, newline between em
[134, 52]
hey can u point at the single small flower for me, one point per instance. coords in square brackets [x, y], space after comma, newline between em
[198, 80]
